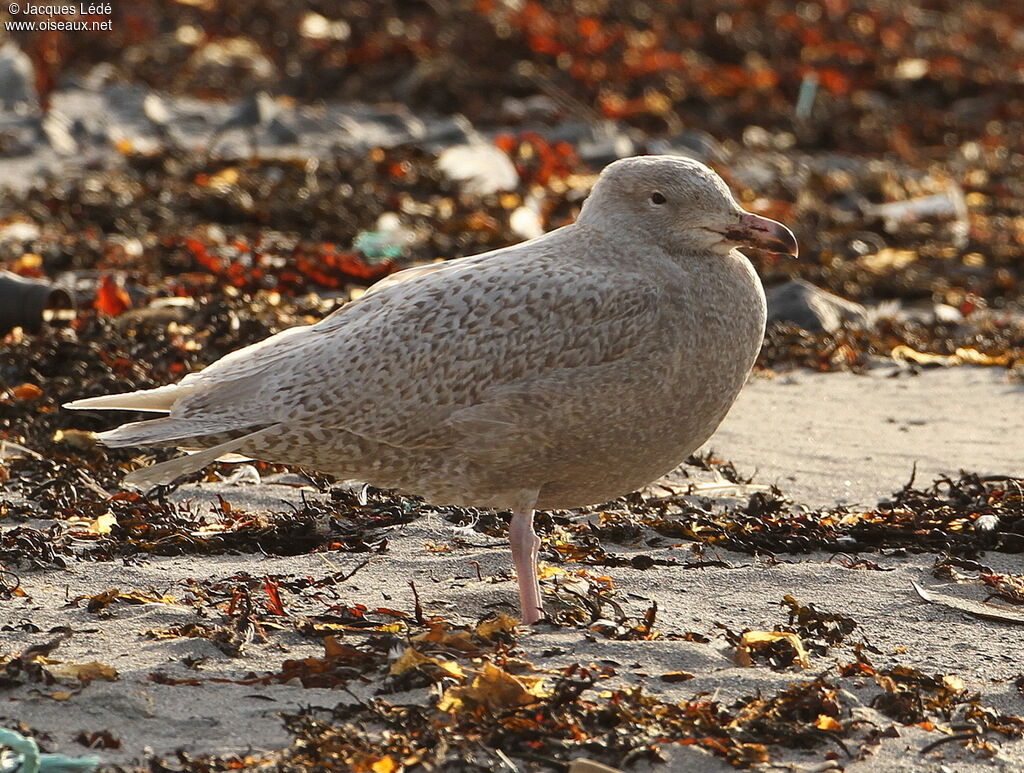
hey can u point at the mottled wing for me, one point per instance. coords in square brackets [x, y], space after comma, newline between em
[397, 365]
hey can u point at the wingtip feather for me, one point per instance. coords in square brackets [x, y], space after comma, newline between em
[158, 400]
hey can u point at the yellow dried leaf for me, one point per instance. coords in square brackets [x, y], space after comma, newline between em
[954, 683]
[103, 524]
[825, 722]
[82, 672]
[101, 600]
[437, 632]
[411, 658]
[887, 260]
[441, 633]
[60, 695]
[493, 689]
[27, 263]
[451, 668]
[80, 439]
[753, 753]
[138, 597]
[224, 178]
[751, 641]
[502, 623]
[384, 765]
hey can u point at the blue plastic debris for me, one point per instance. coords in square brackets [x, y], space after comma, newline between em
[375, 245]
[23, 756]
[808, 93]
[388, 240]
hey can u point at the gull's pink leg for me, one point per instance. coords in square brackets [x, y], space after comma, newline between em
[525, 546]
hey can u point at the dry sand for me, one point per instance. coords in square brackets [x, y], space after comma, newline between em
[827, 438]
[822, 438]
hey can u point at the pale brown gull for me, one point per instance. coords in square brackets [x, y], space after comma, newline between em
[560, 372]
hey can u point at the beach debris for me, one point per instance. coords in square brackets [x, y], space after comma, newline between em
[279, 261]
[22, 755]
[1007, 587]
[54, 128]
[673, 677]
[975, 608]
[817, 630]
[480, 168]
[934, 702]
[253, 114]
[801, 303]
[962, 356]
[156, 112]
[388, 239]
[112, 297]
[489, 700]
[318, 27]
[17, 80]
[937, 517]
[101, 602]
[526, 222]
[546, 162]
[582, 765]
[948, 204]
[99, 739]
[604, 142]
[29, 303]
[493, 690]
[780, 649]
[34, 665]
[886, 260]
[243, 475]
[806, 96]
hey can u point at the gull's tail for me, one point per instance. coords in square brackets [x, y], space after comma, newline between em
[169, 430]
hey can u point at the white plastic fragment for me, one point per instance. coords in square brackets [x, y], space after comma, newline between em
[481, 168]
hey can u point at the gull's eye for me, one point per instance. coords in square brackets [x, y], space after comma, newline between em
[658, 198]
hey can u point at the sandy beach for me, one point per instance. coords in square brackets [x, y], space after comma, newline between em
[854, 441]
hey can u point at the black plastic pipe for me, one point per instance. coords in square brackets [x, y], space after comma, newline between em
[25, 302]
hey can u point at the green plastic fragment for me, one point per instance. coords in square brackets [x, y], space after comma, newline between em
[24, 757]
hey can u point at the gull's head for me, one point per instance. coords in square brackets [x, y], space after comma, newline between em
[681, 205]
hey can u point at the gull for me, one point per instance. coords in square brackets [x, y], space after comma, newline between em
[557, 373]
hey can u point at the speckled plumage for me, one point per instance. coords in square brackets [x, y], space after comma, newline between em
[568, 370]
